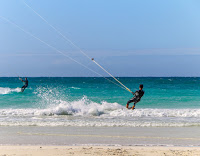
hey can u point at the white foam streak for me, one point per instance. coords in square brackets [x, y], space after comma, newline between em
[74, 88]
[9, 90]
[94, 123]
[157, 113]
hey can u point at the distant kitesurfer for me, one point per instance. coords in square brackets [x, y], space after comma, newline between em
[25, 84]
[137, 97]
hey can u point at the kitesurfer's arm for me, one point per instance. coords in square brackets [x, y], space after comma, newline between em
[21, 79]
[133, 93]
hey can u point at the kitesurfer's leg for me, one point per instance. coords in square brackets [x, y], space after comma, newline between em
[127, 105]
[130, 101]
[136, 101]
[134, 105]
[23, 88]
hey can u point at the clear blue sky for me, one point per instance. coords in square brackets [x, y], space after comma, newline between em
[127, 37]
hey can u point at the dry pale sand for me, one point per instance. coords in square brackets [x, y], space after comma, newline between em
[97, 150]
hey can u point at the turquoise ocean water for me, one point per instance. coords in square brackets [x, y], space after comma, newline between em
[97, 102]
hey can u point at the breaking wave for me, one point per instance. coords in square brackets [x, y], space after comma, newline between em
[86, 107]
[83, 107]
[9, 90]
[84, 112]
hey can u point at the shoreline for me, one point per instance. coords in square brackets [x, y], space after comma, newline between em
[91, 136]
[82, 141]
[99, 145]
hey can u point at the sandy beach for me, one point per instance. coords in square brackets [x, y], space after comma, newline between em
[97, 150]
[52, 141]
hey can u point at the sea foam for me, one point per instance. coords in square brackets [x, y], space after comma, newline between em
[84, 112]
[9, 90]
[86, 107]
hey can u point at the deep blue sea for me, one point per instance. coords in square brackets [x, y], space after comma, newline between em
[49, 101]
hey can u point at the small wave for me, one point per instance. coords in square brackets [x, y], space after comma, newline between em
[86, 123]
[9, 90]
[157, 113]
[116, 110]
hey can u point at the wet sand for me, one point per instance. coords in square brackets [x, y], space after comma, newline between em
[17, 140]
[123, 136]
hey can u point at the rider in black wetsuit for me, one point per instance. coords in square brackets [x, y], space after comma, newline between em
[137, 97]
[26, 84]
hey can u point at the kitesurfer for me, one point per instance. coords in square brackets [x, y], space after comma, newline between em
[25, 83]
[137, 97]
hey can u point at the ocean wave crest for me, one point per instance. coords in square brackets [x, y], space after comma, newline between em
[85, 112]
[86, 107]
[9, 90]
